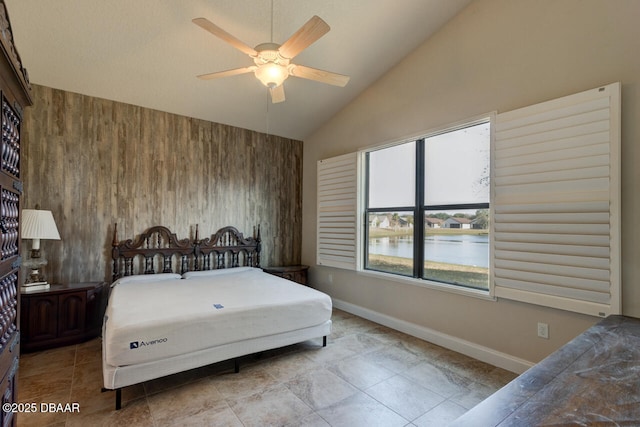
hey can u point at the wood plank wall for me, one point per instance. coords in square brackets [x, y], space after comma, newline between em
[95, 162]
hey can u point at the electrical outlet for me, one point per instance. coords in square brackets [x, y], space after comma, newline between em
[543, 330]
[330, 278]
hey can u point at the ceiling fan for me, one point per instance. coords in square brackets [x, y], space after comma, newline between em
[273, 61]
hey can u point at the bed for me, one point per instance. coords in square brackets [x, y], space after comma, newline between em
[179, 304]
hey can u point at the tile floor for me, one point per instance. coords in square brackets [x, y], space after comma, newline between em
[368, 375]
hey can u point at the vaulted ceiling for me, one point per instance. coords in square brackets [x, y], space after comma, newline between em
[148, 52]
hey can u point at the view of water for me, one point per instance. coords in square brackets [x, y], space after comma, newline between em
[464, 249]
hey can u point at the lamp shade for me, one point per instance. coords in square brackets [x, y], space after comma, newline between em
[39, 224]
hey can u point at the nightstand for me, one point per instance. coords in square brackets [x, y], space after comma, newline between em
[62, 315]
[296, 273]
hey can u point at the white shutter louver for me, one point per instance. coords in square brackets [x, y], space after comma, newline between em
[557, 203]
[337, 235]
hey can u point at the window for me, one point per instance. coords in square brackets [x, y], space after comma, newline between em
[427, 207]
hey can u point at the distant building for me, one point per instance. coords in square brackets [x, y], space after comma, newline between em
[404, 223]
[455, 222]
[477, 225]
[379, 222]
[433, 222]
[387, 222]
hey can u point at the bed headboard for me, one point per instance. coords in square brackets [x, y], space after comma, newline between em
[228, 248]
[158, 250]
[156, 247]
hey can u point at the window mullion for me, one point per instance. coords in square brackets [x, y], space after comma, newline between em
[418, 213]
[365, 252]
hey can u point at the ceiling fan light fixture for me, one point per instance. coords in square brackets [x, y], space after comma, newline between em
[273, 61]
[271, 75]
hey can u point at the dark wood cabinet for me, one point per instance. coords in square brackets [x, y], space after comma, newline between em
[15, 95]
[62, 315]
[72, 319]
[296, 273]
[44, 312]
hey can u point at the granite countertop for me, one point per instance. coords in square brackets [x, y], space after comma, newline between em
[593, 379]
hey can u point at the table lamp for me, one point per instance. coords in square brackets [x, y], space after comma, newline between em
[36, 225]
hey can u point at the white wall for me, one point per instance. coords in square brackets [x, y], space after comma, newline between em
[496, 55]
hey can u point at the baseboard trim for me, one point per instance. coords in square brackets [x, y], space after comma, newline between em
[485, 354]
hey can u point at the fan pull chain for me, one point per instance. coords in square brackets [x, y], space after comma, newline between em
[268, 99]
[271, 21]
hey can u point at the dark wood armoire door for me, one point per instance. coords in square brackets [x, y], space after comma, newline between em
[14, 97]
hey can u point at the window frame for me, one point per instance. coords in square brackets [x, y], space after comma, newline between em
[419, 208]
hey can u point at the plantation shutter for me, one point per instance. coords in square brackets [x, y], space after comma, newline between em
[557, 203]
[337, 235]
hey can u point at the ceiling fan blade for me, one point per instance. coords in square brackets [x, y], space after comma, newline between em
[319, 75]
[219, 32]
[227, 73]
[277, 94]
[304, 37]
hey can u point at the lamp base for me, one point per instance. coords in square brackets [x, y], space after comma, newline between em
[35, 278]
[35, 264]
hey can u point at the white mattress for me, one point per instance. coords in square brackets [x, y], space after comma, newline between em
[149, 321]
